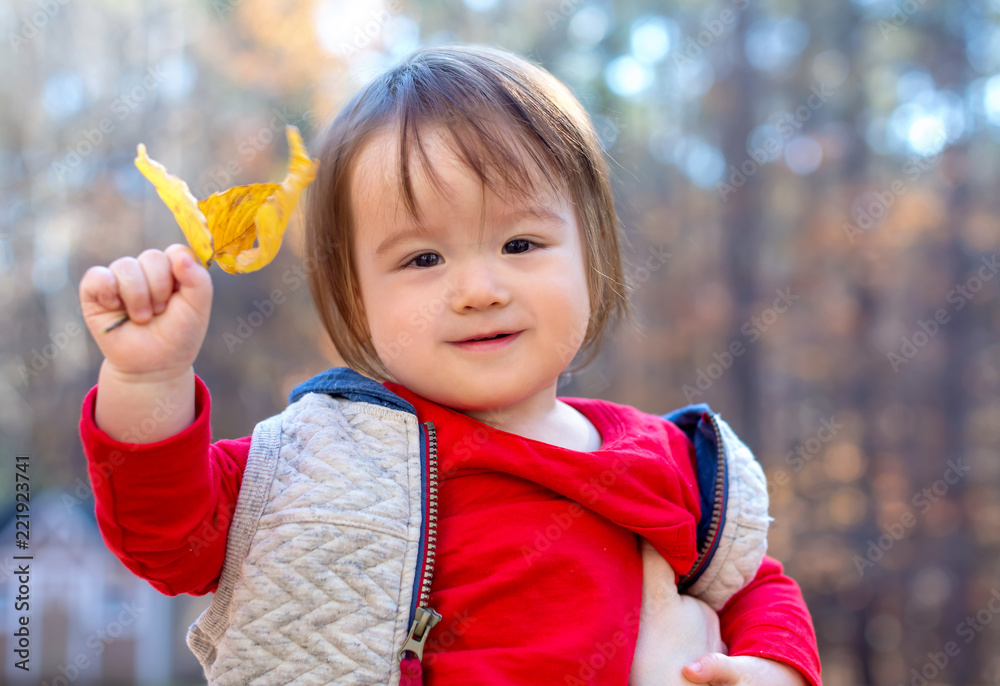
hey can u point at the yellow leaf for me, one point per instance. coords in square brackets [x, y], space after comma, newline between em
[176, 194]
[226, 225]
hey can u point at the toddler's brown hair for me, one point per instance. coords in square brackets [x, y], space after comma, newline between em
[494, 104]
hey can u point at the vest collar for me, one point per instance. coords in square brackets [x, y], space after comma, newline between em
[346, 382]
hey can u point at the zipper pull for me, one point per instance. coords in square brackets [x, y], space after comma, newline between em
[424, 620]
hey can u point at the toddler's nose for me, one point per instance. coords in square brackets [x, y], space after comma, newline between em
[477, 284]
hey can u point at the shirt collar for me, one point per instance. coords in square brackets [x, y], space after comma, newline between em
[346, 382]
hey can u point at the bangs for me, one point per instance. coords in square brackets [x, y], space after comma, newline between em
[500, 164]
[483, 124]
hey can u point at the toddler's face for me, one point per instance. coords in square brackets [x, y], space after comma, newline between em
[425, 294]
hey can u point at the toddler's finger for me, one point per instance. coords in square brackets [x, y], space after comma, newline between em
[99, 291]
[132, 288]
[159, 279]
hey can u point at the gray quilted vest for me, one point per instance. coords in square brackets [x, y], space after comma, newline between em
[322, 581]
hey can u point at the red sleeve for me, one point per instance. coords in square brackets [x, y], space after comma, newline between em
[769, 618]
[164, 508]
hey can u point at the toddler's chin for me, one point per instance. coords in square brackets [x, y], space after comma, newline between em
[466, 396]
[472, 400]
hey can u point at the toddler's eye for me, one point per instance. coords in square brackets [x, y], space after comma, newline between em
[521, 242]
[420, 262]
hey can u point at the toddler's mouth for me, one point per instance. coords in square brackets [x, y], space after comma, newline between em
[488, 336]
[488, 341]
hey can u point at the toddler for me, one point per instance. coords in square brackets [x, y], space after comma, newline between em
[432, 512]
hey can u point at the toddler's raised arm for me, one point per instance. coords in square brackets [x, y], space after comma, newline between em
[146, 379]
[163, 495]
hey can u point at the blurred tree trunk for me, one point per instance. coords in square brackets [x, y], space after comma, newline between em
[741, 221]
[952, 404]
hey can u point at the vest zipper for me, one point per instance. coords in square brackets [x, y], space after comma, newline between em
[713, 525]
[424, 616]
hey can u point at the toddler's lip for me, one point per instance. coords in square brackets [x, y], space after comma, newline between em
[494, 344]
[486, 335]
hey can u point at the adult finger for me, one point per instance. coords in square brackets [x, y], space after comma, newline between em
[715, 669]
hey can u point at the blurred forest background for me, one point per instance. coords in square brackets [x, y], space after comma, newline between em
[810, 191]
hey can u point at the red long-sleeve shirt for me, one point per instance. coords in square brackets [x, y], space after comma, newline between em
[529, 534]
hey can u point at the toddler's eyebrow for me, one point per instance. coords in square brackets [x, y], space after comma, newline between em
[540, 213]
